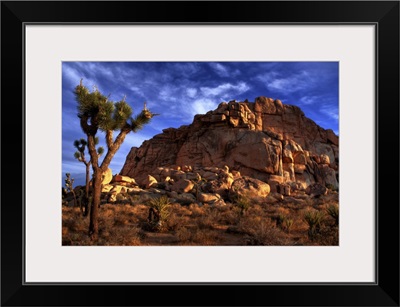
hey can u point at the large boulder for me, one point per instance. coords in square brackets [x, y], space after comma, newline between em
[149, 182]
[107, 176]
[250, 188]
[258, 139]
[125, 179]
[182, 186]
[208, 197]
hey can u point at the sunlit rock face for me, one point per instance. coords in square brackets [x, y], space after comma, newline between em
[264, 139]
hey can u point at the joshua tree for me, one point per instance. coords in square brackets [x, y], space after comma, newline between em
[69, 182]
[80, 145]
[96, 112]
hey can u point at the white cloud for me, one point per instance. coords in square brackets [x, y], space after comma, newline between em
[223, 71]
[97, 69]
[267, 77]
[71, 74]
[224, 89]
[191, 92]
[168, 94]
[136, 90]
[186, 69]
[236, 73]
[290, 84]
[219, 69]
[202, 106]
[331, 111]
[309, 100]
[74, 77]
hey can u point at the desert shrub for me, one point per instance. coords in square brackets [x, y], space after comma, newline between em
[175, 221]
[133, 199]
[313, 218]
[333, 211]
[204, 237]
[261, 231]
[229, 217]
[196, 236]
[120, 198]
[196, 210]
[183, 234]
[309, 202]
[120, 220]
[256, 209]
[328, 236]
[284, 221]
[210, 218]
[118, 225]
[121, 236]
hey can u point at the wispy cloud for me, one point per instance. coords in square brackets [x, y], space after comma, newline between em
[289, 83]
[191, 92]
[219, 69]
[267, 77]
[168, 93]
[309, 100]
[185, 69]
[331, 111]
[202, 106]
[226, 88]
[223, 70]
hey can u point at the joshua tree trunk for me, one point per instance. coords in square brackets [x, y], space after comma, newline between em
[96, 190]
[86, 198]
[97, 179]
[94, 225]
[87, 179]
[75, 202]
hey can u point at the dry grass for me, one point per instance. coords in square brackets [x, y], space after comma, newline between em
[261, 223]
[118, 225]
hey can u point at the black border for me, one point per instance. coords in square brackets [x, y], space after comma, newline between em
[383, 14]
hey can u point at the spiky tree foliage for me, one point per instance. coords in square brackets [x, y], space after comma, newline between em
[69, 184]
[81, 145]
[95, 112]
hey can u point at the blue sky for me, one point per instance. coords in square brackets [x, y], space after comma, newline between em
[180, 90]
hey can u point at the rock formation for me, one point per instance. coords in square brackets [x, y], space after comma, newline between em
[265, 140]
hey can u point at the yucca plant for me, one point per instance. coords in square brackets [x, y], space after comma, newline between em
[333, 211]
[284, 222]
[287, 224]
[280, 219]
[313, 218]
[158, 211]
[243, 203]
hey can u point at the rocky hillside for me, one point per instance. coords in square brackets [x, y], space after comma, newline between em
[265, 140]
